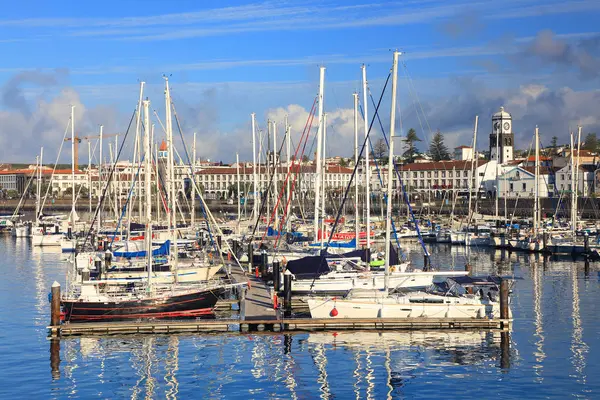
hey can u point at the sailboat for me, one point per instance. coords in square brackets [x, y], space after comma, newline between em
[448, 299]
[102, 300]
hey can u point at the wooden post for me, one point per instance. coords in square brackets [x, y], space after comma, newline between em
[55, 305]
[219, 242]
[55, 358]
[264, 261]
[505, 350]
[469, 270]
[276, 276]
[287, 295]
[504, 314]
[250, 257]
[586, 244]
[242, 300]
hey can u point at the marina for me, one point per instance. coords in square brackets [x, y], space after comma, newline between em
[298, 200]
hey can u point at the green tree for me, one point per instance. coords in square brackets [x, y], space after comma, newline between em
[343, 162]
[411, 148]
[591, 142]
[437, 149]
[380, 149]
[554, 142]
[304, 158]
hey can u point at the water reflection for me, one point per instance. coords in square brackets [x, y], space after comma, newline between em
[539, 354]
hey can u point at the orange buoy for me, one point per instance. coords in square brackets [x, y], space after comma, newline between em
[275, 301]
[334, 312]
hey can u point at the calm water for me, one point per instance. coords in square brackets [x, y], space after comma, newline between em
[554, 351]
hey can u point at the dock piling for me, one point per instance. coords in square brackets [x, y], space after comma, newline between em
[250, 257]
[55, 304]
[276, 276]
[287, 289]
[504, 314]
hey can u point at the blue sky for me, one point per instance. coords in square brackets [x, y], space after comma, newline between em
[540, 59]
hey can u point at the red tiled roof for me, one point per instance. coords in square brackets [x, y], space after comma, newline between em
[44, 171]
[543, 170]
[281, 170]
[440, 165]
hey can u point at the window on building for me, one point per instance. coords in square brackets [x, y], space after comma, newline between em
[465, 174]
[524, 187]
[511, 187]
[422, 174]
[481, 174]
[450, 174]
[570, 189]
[435, 174]
[443, 174]
[429, 174]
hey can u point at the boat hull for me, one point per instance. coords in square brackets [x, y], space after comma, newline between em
[360, 308]
[46, 240]
[188, 305]
[341, 285]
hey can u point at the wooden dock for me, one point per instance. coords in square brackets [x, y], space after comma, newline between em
[275, 325]
[257, 301]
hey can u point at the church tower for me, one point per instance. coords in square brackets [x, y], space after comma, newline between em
[502, 129]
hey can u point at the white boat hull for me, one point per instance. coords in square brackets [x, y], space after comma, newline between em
[343, 282]
[46, 240]
[402, 308]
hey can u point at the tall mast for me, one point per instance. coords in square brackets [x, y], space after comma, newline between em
[147, 190]
[237, 164]
[497, 162]
[100, 185]
[573, 191]
[38, 204]
[193, 213]
[254, 167]
[367, 166]
[73, 168]
[577, 172]
[473, 163]
[324, 168]
[356, 213]
[288, 188]
[138, 134]
[390, 177]
[275, 176]
[171, 180]
[536, 205]
[317, 186]
[89, 174]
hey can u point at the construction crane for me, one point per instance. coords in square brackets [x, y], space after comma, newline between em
[78, 140]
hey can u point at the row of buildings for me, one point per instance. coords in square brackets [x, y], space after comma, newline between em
[502, 175]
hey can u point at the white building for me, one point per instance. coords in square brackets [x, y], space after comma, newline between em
[585, 180]
[463, 153]
[519, 182]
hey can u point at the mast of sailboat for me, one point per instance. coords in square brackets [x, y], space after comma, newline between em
[237, 164]
[72, 169]
[289, 160]
[390, 175]
[138, 134]
[573, 195]
[536, 204]
[497, 165]
[38, 203]
[317, 186]
[472, 176]
[356, 213]
[100, 186]
[193, 212]
[89, 176]
[147, 189]
[323, 184]
[576, 187]
[367, 166]
[275, 176]
[254, 172]
[171, 180]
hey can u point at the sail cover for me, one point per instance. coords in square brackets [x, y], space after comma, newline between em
[163, 250]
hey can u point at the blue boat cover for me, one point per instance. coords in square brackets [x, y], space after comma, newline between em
[163, 250]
